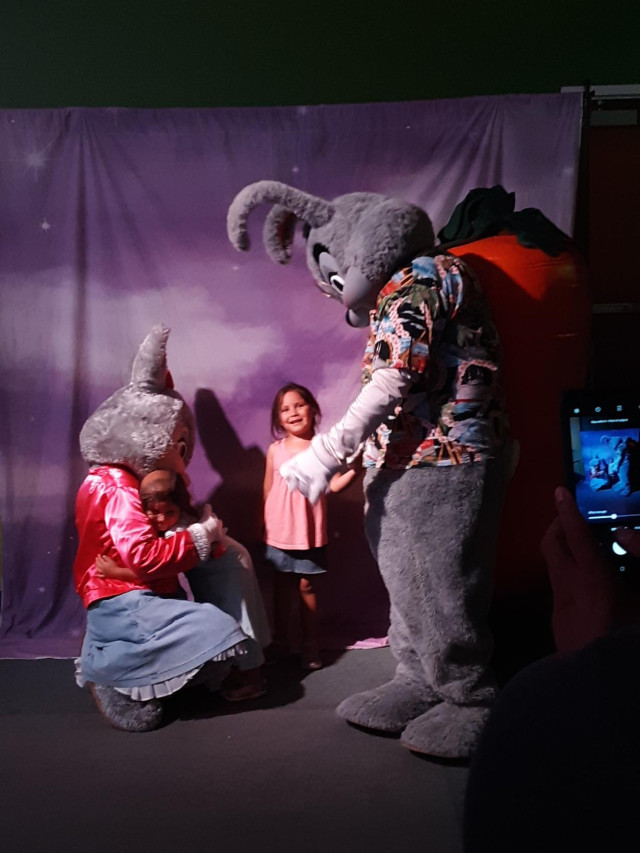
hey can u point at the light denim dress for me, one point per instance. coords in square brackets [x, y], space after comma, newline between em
[148, 645]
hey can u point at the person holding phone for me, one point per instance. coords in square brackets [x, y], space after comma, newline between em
[557, 765]
[590, 597]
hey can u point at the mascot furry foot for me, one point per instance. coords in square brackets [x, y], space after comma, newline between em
[387, 708]
[124, 713]
[446, 731]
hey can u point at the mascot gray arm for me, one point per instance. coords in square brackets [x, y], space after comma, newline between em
[310, 471]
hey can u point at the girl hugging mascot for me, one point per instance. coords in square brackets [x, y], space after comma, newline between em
[145, 640]
[431, 423]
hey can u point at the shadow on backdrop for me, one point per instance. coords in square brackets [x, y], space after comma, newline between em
[238, 498]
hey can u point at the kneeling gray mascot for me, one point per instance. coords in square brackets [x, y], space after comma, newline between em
[145, 640]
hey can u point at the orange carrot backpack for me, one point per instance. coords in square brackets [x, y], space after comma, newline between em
[541, 307]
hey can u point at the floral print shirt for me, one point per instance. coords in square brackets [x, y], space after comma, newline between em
[432, 319]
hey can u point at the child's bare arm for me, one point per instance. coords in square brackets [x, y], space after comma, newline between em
[268, 473]
[107, 568]
[340, 480]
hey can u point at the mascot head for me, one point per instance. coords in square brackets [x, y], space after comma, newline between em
[355, 243]
[145, 425]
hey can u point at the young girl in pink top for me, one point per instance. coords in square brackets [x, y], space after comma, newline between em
[295, 530]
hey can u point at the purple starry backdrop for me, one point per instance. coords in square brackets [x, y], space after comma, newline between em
[112, 220]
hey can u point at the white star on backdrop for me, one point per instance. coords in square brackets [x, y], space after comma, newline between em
[35, 160]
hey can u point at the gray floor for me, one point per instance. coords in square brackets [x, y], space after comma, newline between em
[281, 774]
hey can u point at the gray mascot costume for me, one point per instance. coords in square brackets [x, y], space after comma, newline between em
[145, 640]
[430, 424]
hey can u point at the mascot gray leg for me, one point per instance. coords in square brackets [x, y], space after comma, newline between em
[124, 713]
[432, 532]
[391, 706]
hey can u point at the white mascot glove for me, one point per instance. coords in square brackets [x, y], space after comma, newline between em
[207, 531]
[311, 470]
[306, 473]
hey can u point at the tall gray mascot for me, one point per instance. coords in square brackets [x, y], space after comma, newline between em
[430, 423]
[144, 639]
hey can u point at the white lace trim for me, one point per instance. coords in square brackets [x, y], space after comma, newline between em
[160, 689]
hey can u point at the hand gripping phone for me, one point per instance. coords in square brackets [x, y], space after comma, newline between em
[601, 438]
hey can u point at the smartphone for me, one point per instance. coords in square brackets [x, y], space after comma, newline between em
[601, 437]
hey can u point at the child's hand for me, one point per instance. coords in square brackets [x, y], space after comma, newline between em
[221, 539]
[219, 546]
[110, 570]
[212, 525]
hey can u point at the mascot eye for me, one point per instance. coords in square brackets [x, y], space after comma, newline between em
[337, 282]
[181, 446]
[332, 283]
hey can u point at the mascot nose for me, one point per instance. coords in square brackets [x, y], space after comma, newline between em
[359, 296]
[357, 318]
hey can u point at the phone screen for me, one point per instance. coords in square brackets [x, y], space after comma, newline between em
[602, 449]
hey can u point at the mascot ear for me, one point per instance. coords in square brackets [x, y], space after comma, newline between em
[149, 371]
[278, 232]
[168, 381]
[313, 210]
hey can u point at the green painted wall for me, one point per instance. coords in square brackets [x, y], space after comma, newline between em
[251, 52]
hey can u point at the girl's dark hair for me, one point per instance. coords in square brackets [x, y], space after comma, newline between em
[182, 498]
[176, 493]
[307, 396]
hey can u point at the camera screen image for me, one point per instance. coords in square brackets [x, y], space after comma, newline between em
[605, 452]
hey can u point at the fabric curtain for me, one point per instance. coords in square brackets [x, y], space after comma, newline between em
[112, 220]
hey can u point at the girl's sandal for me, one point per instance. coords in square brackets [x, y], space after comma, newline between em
[232, 681]
[246, 691]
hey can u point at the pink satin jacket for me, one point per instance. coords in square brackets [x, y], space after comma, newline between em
[111, 521]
